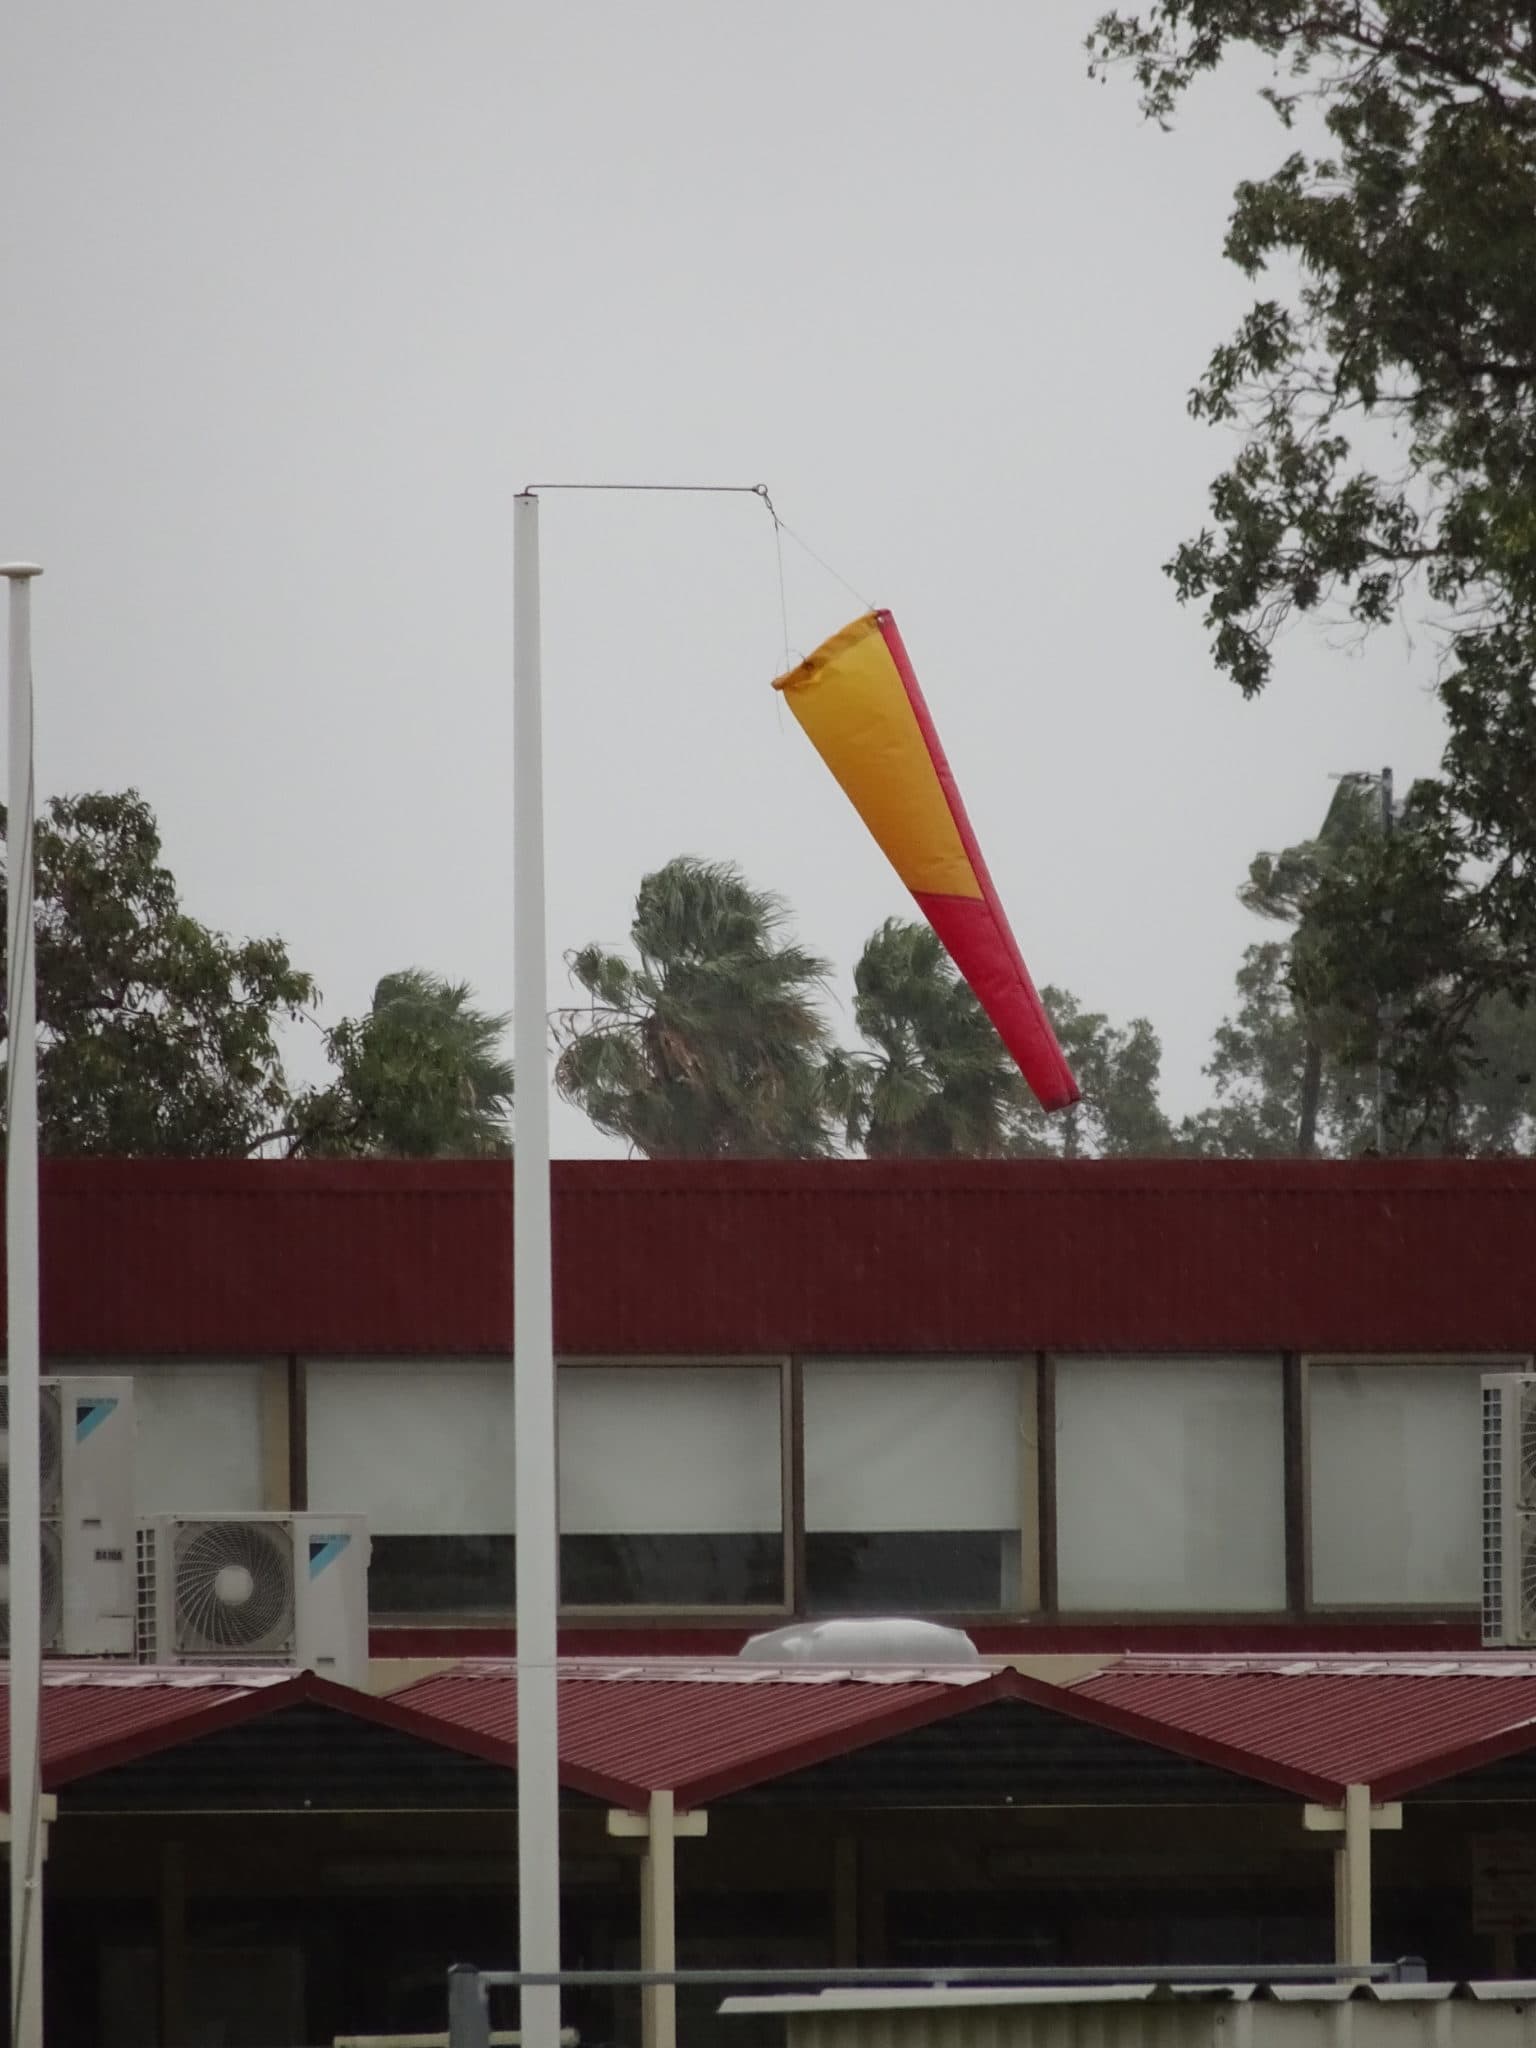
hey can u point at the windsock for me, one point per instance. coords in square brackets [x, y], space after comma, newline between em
[859, 704]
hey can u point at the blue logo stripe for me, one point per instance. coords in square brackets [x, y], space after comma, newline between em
[91, 1415]
[324, 1550]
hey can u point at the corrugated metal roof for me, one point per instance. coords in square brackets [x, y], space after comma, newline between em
[95, 1717]
[1391, 1724]
[706, 1731]
[250, 1258]
[696, 1729]
[89, 1710]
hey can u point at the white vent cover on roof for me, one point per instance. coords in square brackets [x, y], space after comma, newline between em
[875, 1640]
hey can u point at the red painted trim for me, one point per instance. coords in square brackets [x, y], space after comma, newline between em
[238, 1260]
[1004, 1685]
[1224, 1756]
[304, 1688]
[387, 1179]
[800, 1755]
[1052, 1079]
[1455, 1763]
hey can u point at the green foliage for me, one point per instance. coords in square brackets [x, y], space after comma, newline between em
[937, 1083]
[155, 1034]
[1383, 388]
[710, 1043]
[1379, 981]
[1261, 1067]
[421, 1076]
[1117, 1067]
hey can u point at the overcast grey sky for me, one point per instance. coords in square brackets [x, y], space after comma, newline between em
[295, 296]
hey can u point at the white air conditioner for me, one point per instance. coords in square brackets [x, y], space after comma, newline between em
[256, 1589]
[1509, 1510]
[85, 1428]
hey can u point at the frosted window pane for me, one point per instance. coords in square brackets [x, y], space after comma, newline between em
[897, 1446]
[1396, 1482]
[670, 1450]
[1170, 1484]
[420, 1449]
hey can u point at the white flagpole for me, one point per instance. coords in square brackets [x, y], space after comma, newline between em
[22, 1339]
[538, 1563]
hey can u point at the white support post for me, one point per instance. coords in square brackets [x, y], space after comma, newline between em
[659, 1828]
[22, 1337]
[659, 1877]
[538, 1784]
[1355, 1821]
[1357, 1874]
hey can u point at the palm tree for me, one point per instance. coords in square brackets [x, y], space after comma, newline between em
[421, 1076]
[710, 1044]
[938, 1083]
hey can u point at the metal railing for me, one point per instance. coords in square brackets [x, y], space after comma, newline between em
[469, 2022]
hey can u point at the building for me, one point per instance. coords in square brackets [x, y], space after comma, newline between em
[1191, 1450]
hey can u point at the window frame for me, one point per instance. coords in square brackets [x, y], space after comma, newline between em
[1472, 1362]
[790, 1490]
[301, 1369]
[1168, 1617]
[1032, 1557]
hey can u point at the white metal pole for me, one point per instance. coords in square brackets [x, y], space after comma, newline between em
[22, 1340]
[538, 1788]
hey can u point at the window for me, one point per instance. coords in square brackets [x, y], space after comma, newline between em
[1170, 1484]
[425, 1452]
[919, 1486]
[671, 1486]
[199, 1443]
[1394, 1484]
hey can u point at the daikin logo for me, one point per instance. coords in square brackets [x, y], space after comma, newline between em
[92, 1414]
[324, 1550]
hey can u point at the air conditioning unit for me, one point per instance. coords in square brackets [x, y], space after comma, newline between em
[256, 1589]
[1509, 1510]
[85, 1428]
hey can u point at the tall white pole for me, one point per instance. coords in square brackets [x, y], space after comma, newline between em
[538, 1564]
[22, 1340]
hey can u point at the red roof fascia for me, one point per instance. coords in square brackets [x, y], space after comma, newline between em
[706, 1740]
[172, 1726]
[1456, 1763]
[261, 1258]
[82, 1722]
[698, 1737]
[1392, 1730]
[920, 1707]
[1005, 1685]
[1083, 1703]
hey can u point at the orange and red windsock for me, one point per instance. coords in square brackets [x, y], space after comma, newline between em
[859, 704]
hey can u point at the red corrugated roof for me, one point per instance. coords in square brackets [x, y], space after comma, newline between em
[1393, 1725]
[95, 1717]
[699, 1730]
[212, 1258]
[706, 1731]
[90, 1712]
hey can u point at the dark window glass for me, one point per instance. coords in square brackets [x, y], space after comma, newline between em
[738, 1570]
[443, 1575]
[911, 1571]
